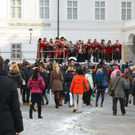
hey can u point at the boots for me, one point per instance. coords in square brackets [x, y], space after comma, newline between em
[61, 101]
[43, 100]
[96, 104]
[69, 104]
[30, 112]
[101, 105]
[57, 103]
[39, 112]
[46, 98]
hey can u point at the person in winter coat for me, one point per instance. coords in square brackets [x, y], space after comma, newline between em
[70, 73]
[100, 89]
[109, 71]
[15, 75]
[6, 65]
[10, 115]
[77, 88]
[118, 93]
[36, 84]
[89, 78]
[56, 79]
[113, 74]
[43, 74]
[25, 70]
[126, 75]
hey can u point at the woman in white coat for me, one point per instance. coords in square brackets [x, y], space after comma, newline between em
[90, 83]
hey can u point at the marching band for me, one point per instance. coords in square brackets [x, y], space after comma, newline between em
[82, 51]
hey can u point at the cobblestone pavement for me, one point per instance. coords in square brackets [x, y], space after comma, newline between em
[92, 121]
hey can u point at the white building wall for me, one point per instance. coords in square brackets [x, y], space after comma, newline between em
[83, 28]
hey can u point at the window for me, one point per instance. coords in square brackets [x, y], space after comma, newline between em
[72, 10]
[15, 8]
[126, 11]
[44, 9]
[99, 10]
[16, 50]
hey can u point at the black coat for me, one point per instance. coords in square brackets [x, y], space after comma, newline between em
[68, 77]
[10, 115]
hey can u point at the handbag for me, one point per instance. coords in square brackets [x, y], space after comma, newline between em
[105, 83]
[84, 89]
[112, 91]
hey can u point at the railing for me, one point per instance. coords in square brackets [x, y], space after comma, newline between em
[26, 55]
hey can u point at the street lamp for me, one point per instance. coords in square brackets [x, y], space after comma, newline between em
[30, 31]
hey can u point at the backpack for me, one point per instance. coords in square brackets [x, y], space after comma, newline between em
[128, 83]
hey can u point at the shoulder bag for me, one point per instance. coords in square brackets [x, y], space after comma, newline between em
[112, 91]
[83, 85]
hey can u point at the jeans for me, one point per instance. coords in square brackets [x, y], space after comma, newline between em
[102, 92]
[115, 100]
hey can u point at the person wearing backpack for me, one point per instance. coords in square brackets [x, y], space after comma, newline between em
[90, 83]
[100, 89]
[127, 90]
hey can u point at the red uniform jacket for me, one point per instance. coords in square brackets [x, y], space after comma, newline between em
[103, 49]
[117, 48]
[96, 47]
[90, 48]
[109, 49]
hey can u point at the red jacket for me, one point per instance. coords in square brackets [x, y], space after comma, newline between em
[36, 86]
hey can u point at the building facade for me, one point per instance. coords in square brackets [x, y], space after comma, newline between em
[78, 19]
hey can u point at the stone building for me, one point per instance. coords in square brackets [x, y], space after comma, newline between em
[78, 19]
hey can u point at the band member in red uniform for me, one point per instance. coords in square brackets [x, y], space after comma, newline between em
[46, 48]
[66, 47]
[89, 49]
[40, 48]
[83, 51]
[60, 49]
[103, 50]
[117, 50]
[52, 49]
[79, 58]
[57, 42]
[76, 47]
[95, 50]
[109, 51]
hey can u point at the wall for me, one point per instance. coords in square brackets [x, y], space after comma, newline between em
[84, 27]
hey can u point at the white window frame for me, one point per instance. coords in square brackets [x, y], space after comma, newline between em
[126, 8]
[100, 8]
[15, 51]
[44, 7]
[72, 8]
[16, 6]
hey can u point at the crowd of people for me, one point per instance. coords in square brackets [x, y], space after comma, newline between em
[72, 83]
[60, 48]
